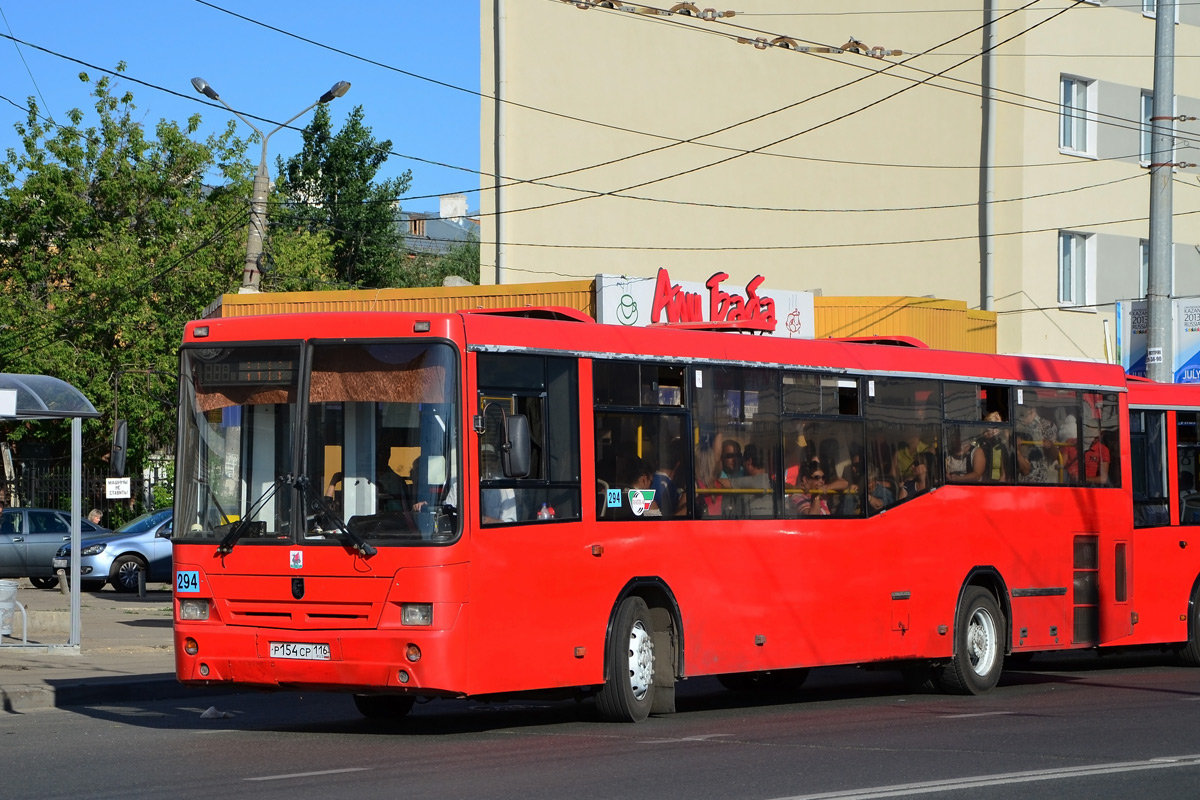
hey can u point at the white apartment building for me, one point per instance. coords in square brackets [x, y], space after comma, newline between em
[842, 148]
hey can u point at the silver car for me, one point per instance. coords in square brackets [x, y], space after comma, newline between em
[29, 537]
[118, 557]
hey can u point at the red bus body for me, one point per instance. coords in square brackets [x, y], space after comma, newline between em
[531, 604]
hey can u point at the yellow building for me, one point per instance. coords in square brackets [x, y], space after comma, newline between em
[790, 140]
[942, 324]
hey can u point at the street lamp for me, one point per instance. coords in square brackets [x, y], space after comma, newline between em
[251, 274]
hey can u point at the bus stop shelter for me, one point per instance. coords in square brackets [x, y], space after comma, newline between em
[37, 397]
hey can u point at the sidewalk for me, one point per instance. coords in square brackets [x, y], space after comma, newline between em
[126, 652]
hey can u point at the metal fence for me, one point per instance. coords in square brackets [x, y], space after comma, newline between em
[50, 487]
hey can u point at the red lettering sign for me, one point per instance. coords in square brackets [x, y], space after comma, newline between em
[680, 306]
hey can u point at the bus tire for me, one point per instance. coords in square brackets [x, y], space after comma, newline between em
[1189, 654]
[775, 680]
[384, 706]
[628, 694]
[978, 645]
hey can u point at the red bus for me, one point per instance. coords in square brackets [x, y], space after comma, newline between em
[405, 506]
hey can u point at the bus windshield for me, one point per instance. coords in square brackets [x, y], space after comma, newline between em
[369, 454]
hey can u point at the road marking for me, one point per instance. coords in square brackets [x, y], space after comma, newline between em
[980, 714]
[701, 738]
[1003, 779]
[307, 774]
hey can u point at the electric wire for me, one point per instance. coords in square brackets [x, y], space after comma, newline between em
[1052, 106]
[693, 140]
[442, 164]
[21, 55]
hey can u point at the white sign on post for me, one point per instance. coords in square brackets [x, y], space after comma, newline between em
[8, 402]
[117, 488]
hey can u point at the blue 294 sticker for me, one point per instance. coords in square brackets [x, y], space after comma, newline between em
[187, 582]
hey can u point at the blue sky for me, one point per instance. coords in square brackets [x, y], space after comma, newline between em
[264, 72]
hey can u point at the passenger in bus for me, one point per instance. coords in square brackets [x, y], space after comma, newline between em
[731, 459]
[852, 474]
[924, 476]
[708, 470]
[990, 456]
[879, 496]
[638, 474]
[666, 491]
[813, 501]
[959, 466]
[907, 452]
[1068, 450]
[1096, 461]
[760, 503]
[1037, 451]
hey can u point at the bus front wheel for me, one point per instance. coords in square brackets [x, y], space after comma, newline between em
[978, 647]
[628, 693]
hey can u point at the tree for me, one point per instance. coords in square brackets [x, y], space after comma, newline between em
[109, 241]
[462, 260]
[329, 187]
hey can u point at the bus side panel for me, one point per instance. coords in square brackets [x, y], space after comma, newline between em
[1163, 565]
[537, 594]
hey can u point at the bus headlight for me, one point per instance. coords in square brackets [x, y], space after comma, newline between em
[416, 614]
[193, 609]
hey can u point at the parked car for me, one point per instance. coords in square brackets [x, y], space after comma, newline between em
[29, 538]
[116, 557]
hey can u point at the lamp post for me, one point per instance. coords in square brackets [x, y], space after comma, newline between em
[251, 274]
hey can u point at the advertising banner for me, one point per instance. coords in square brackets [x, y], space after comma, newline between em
[1132, 320]
[637, 301]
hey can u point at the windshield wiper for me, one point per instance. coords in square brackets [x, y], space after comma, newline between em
[302, 485]
[243, 524]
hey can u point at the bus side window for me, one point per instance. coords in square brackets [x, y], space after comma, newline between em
[545, 390]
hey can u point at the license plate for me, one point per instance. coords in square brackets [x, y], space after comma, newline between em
[300, 650]
[60, 563]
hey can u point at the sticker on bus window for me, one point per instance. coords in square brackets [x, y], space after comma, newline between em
[614, 498]
[187, 582]
[640, 500]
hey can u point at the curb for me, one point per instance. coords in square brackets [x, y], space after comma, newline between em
[18, 698]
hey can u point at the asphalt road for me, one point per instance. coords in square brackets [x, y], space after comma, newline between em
[1077, 727]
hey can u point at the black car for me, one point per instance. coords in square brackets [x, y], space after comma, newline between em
[29, 538]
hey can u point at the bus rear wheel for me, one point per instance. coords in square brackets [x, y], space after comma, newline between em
[383, 706]
[628, 692]
[978, 646]
[1190, 652]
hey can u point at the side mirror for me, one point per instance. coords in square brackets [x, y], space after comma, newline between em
[116, 456]
[516, 451]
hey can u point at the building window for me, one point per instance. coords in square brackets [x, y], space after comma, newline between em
[1073, 268]
[1144, 274]
[1147, 126]
[1077, 128]
[416, 226]
[1150, 9]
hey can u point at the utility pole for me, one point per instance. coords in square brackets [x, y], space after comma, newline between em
[1160, 356]
[252, 271]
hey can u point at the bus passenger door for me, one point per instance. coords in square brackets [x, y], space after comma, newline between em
[1137, 563]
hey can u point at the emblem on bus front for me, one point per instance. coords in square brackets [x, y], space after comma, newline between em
[297, 561]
